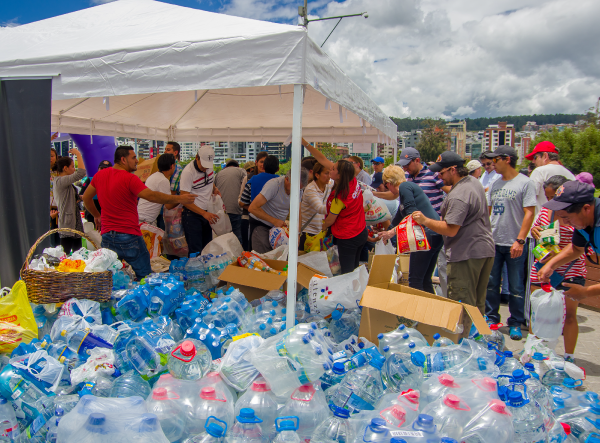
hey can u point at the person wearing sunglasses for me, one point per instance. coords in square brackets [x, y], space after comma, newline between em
[489, 176]
[512, 208]
[377, 177]
[547, 164]
[465, 225]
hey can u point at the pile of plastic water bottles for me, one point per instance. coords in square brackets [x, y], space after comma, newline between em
[164, 361]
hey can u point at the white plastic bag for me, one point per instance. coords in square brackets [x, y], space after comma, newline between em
[376, 211]
[51, 369]
[280, 253]
[318, 261]
[100, 363]
[279, 236]
[100, 260]
[548, 312]
[216, 206]
[325, 293]
[224, 243]
[384, 249]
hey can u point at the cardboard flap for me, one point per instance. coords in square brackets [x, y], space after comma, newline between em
[421, 309]
[305, 273]
[381, 269]
[478, 319]
[237, 275]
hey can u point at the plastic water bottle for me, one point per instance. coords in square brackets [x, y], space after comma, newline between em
[361, 388]
[164, 404]
[555, 376]
[213, 337]
[310, 406]
[83, 341]
[510, 364]
[404, 408]
[213, 379]
[540, 364]
[375, 431]
[286, 428]
[441, 342]
[189, 360]
[145, 429]
[215, 431]
[194, 269]
[343, 325]
[130, 384]
[246, 428]
[528, 422]
[424, 423]
[493, 424]
[438, 386]
[263, 402]
[52, 434]
[211, 403]
[333, 376]
[334, 428]
[497, 337]
[403, 371]
[9, 427]
[451, 414]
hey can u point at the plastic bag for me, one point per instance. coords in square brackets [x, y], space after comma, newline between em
[41, 366]
[236, 369]
[88, 309]
[333, 258]
[224, 243]
[411, 236]
[280, 253]
[548, 312]
[279, 236]
[153, 238]
[101, 260]
[318, 242]
[376, 211]
[317, 261]
[174, 239]
[99, 363]
[216, 206]
[17, 322]
[384, 249]
[325, 293]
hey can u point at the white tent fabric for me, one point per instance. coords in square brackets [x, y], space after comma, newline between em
[141, 68]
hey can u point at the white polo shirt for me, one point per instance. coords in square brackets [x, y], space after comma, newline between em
[197, 182]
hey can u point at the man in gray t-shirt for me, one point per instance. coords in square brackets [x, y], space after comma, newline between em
[512, 201]
[466, 228]
[270, 209]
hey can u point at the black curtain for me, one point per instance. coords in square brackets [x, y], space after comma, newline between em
[25, 107]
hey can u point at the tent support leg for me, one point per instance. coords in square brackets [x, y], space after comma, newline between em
[294, 208]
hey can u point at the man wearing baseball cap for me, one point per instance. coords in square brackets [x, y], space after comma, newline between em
[574, 205]
[546, 159]
[467, 233]
[198, 178]
[512, 208]
[377, 177]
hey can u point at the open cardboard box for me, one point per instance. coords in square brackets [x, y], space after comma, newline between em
[386, 305]
[254, 284]
[146, 168]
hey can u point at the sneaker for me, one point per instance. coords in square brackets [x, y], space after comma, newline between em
[515, 333]
[570, 360]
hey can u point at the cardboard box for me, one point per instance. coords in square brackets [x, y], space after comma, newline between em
[254, 284]
[386, 305]
[146, 168]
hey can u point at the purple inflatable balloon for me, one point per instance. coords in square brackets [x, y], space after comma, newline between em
[102, 149]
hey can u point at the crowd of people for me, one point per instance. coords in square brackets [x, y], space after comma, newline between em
[481, 219]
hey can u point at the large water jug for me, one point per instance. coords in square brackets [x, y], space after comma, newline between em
[286, 428]
[309, 405]
[555, 376]
[189, 360]
[194, 269]
[9, 427]
[361, 388]
[528, 422]
[333, 376]
[263, 402]
[436, 387]
[210, 402]
[246, 428]
[334, 428]
[215, 431]
[130, 384]
[493, 424]
[403, 371]
[165, 405]
[451, 414]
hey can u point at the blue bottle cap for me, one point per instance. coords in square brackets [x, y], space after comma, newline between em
[340, 412]
[273, 331]
[96, 419]
[397, 440]
[424, 423]
[593, 438]
[377, 425]
[448, 440]
[537, 356]
[529, 367]
[247, 416]
[386, 349]
[418, 358]
[338, 368]
[262, 327]
[361, 345]
[3, 401]
[274, 304]
[518, 375]
[515, 399]
[401, 327]
[214, 430]
[508, 354]
[436, 336]
[412, 345]
[379, 336]
[405, 335]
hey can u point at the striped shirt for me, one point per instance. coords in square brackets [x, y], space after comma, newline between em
[431, 184]
[197, 182]
[566, 232]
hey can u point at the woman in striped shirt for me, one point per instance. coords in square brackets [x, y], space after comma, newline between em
[314, 201]
[573, 272]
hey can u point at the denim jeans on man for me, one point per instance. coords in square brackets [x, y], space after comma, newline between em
[236, 225]
[197, 230]
[423, 263]
[131, 248]
[516, 303]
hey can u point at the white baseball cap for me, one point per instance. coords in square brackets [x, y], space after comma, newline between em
[473, 164]
[206, 154]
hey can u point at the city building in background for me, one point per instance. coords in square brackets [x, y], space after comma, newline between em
[457, 137]
[411, 140]
[498, 135]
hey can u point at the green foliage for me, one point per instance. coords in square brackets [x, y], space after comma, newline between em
[579, 152]
[433, 140]
[284, 167]
[479, 124]
[389, 161]
[330, 152]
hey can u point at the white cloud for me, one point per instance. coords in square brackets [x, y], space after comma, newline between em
[459, 57]
[10, 23]
[100, 2]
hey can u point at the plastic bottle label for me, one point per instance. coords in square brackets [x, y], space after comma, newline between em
[355, 402]
[406, 434]
[35, 426]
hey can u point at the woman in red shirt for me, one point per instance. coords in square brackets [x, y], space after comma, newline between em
[345, 213]
[573, 272]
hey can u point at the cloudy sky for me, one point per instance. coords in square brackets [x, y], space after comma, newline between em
[449, 58]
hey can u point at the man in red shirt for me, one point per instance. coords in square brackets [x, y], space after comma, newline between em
[118, 191]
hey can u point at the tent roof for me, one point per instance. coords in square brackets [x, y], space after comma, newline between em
[186, 74]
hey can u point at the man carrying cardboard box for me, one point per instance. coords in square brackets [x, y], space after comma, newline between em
[467, 233]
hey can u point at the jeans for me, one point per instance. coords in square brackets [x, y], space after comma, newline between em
[349, 251]
[246, 234]
[197, 230]
[423, 263]
[516, 302]
[132, 249]
[236, 225]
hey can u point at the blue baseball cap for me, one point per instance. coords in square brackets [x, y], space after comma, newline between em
[407, 155]
[570, 193]
[378, 160]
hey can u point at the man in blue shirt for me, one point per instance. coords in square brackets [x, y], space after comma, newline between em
[377, 177]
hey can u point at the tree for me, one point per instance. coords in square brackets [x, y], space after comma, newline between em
[330, 152]
[434, 140]
[579, 152]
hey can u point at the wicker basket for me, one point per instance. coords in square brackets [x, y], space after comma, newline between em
[58, 287]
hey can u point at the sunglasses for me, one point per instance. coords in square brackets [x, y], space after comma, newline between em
[495, 159]
[377, 163]
[488, 164]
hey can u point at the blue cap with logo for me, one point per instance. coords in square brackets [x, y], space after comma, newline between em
[570, 193]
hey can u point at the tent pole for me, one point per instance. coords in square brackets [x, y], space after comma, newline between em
[294, 208]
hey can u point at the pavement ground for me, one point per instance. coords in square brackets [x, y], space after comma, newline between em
[587, 352]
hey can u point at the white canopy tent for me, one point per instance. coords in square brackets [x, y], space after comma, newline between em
[145, 69]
